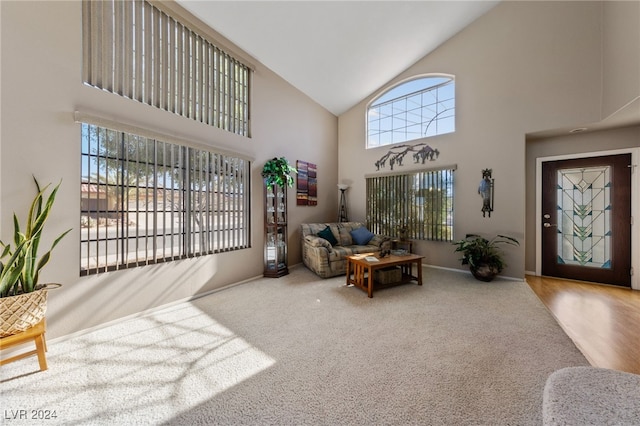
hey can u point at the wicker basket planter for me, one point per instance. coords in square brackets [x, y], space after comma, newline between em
[21, 312]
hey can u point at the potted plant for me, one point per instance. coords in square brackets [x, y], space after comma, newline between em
[278, 171]
[483, 255]
[22, 299]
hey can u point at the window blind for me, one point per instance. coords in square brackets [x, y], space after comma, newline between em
[420, 203]
[135, 50]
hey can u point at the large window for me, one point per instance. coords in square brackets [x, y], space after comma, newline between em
[135, 50]
[416, 109]
[145, 201]
[419, 202]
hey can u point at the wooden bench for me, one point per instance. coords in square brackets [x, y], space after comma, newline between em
[35, 333]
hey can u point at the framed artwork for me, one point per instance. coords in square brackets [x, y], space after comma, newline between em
[307, 190]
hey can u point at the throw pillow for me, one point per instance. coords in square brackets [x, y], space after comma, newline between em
[328, 235]
[361, 236]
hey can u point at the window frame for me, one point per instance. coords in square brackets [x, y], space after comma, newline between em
[187, 237]
[393, 205]
[371, 105]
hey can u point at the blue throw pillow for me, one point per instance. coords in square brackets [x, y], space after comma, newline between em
[328, 235]
[361, 236]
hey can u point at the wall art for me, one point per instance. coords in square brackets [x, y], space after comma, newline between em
[307, 190]
[421, 153]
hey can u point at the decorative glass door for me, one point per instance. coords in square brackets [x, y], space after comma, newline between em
[587, 219]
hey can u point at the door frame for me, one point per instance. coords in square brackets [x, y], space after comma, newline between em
[635, 205]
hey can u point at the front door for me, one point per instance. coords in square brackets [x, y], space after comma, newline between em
[586, 218]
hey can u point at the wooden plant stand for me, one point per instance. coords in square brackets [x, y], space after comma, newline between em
[35, 333]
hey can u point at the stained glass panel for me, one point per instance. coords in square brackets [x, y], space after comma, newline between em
[584, 217]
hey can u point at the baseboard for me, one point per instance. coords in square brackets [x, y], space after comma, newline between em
[463, 271]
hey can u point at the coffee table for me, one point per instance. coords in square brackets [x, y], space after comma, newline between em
[363, 270]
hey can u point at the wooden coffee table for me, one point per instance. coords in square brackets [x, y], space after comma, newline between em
[363, 270]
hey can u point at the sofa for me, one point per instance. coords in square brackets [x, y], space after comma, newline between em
[591, 396]
[325, 246]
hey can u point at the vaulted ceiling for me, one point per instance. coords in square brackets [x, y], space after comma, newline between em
[337, 52]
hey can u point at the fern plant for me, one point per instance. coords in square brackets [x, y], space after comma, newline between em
[278, 171]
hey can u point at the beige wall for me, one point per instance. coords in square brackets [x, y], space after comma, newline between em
[522, 67]
[621, 58]
[41, 88]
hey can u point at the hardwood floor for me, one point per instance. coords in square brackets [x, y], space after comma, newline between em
[602, 320]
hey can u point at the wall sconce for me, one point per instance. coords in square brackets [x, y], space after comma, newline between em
[486, 192]
[342, 208]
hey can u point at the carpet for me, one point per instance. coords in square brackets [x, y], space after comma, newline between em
[301, 350]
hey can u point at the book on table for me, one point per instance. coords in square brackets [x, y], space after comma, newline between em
[371, 259]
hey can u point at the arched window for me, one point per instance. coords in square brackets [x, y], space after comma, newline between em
[418, 108]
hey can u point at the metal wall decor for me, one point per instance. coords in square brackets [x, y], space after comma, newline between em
[421, 152]
[486, 192]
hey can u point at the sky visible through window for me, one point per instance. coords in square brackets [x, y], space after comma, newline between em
[416, 109]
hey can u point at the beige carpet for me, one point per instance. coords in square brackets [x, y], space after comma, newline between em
[301, 350]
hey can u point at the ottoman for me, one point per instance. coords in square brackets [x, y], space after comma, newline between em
[591, 396]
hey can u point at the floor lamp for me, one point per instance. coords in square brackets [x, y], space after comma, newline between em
[342, 209]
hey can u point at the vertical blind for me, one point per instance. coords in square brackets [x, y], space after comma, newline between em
[135, 50]
[420, 203]
[146, 201]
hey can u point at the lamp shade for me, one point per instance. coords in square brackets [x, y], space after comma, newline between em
[342, 186]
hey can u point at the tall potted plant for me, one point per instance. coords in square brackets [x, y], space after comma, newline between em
[483, 255]
[23, 300]
[278, 171]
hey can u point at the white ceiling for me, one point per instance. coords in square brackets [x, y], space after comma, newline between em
[338, 52]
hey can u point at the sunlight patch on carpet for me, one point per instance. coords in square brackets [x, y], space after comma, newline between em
[147, 369]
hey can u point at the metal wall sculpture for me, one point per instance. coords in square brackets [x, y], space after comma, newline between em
[395, 156]
[486, 192]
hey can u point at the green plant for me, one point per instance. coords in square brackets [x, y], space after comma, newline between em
[21, 271]
[278, 171]
[478, 252]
